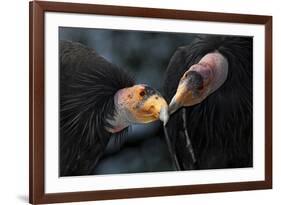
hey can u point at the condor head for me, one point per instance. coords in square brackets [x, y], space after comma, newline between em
[200, 81]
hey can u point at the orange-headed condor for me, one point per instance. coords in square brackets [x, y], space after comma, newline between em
[97, 100]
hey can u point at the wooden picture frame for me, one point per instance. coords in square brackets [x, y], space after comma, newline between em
[37, 10]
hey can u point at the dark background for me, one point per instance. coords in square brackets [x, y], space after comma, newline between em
[145, 55]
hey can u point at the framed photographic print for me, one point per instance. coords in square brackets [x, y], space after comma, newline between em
[140, 102]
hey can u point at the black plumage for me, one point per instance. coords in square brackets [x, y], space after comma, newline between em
[87, 86]
[221, 127]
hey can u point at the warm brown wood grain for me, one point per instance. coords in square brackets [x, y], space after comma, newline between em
[36, 106]
[268, 102]
[36, 146]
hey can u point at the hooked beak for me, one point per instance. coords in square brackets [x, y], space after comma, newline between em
[174, 105]
[188, 91]
[184, 94]
[157, 107]
[164, 115]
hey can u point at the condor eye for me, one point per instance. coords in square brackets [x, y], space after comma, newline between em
[142, 93]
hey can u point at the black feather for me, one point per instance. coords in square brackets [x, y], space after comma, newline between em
[221, 127]
[87, 86]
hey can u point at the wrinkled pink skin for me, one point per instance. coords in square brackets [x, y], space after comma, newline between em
[213, 68]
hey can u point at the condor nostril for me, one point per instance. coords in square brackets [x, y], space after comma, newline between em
[194, 80]
[142, 93]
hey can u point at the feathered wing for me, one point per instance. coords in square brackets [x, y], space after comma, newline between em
[87, 86]
[221, 127]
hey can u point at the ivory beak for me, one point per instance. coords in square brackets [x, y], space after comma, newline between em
[164, 115]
